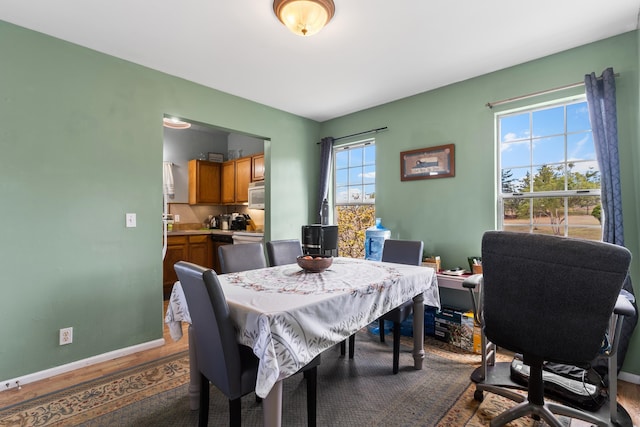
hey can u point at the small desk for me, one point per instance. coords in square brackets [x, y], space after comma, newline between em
[289, 317]
[453, 282]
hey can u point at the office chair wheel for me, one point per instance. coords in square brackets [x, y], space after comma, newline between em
[478, 395]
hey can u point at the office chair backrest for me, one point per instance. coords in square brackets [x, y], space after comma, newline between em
[550, 297]
[403, 251]
[217, 352]
[241, 257]
[282, 252]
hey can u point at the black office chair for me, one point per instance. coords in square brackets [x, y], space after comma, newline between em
[221, 360]
[282, 252]
[551, 299]
[241, 257]
[400, 252]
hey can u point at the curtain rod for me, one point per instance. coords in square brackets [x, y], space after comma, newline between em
[359, 133]
[542, 92]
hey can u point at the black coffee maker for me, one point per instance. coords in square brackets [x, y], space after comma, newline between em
[240, 222]
[318, 239]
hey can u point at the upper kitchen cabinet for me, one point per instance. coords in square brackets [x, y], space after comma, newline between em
[204, 182]
[236, 175]
[229, 181]
[257, 168]
[243, 178]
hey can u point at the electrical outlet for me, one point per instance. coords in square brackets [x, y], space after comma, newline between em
[66, 336]
[176, 218]
[130, 220]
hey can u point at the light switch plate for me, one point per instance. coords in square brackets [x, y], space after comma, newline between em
[130, 220]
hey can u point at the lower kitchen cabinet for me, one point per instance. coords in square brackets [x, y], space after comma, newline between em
[200, 250]
[196, 249]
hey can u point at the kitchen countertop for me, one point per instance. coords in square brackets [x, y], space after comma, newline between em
[211, 231]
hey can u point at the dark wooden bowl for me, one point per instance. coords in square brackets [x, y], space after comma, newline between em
[317, 264]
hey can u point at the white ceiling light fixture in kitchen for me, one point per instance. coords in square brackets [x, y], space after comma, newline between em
[304, 17]
[173, 123]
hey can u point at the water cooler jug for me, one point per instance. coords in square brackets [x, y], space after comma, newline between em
[374, 241]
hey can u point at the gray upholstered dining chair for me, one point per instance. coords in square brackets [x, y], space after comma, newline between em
[550, 299]
[241, 257]
[221, 360]
[400, 252]
[282, 252]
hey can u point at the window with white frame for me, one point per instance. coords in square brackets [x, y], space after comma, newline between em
[548, 175]
[355, 174]
[354, 171]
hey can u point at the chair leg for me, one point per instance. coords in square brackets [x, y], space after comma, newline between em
[203, 413]
[381, 328]
[352, 345]
[312, 383]
[235, 412]
[343, 347]
[534, 405]
[396, 346]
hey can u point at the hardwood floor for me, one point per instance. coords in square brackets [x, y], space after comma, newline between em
[628, 393]
[629, 397]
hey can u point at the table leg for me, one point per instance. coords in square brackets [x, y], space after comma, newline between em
[272, 406]
[418, 331]
[194, 380]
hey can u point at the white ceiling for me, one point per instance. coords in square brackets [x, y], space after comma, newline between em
[371, 53]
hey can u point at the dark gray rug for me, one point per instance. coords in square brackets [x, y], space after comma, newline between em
[358, 392]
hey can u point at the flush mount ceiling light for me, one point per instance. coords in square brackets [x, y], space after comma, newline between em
[304, 17]
[173, 123]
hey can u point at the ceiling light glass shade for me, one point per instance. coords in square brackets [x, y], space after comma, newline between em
[304, 17]
[173, 123]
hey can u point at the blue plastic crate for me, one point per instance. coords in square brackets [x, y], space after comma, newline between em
[406, 327]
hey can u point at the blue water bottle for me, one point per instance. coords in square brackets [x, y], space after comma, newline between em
[374, 241]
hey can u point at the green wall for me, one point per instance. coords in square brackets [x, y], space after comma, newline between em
[81, 144]
[451, 214]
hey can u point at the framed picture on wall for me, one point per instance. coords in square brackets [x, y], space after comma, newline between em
[427, 163]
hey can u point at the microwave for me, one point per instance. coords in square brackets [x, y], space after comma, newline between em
[256, 195]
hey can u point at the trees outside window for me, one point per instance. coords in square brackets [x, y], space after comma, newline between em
[355, 195]
[549, 180]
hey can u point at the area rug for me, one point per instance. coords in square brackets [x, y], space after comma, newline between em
[86, 401]
[355, 392]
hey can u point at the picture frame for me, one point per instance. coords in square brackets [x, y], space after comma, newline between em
[428, 163]
[215, 157]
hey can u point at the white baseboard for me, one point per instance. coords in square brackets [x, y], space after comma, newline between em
[630, 378]
[57, 370]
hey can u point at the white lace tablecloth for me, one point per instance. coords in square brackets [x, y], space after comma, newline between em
[289, 317]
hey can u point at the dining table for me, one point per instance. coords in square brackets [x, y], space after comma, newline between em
[288, 315]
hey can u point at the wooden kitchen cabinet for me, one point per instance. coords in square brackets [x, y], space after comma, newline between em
[257, 168]
[243, 178]
[200, 250]
[204, 182]
[177, 247]
[236, 176]
[196, 249]
[229, 182]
